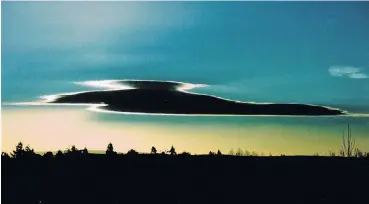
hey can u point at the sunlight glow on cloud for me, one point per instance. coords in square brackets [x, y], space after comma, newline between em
[105, 84]
[347, 71]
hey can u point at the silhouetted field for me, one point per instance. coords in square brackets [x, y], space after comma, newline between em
[79, 177]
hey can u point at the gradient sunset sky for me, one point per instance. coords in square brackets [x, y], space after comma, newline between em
[300, 52]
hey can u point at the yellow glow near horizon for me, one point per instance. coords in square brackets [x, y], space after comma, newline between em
[54, 129]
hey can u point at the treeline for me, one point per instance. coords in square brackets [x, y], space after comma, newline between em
[27, 152]
[76, 176]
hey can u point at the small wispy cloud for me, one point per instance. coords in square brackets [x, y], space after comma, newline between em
[347, 71]
[358, 76]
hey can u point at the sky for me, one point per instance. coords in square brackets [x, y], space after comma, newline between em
[276, 51]
[57, 128]
[300, 52]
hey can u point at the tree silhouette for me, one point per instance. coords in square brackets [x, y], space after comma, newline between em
[331, 153]
[211, 153]
[28, 149]
[185, 154]
[110, 150]
[153, 150]
[358, 153]
[29, 152]
[18, 152]
[85, 151]
[5, 155]
[254, 153]
[74, 149]
[48, 155]
[59, 154]
[239, 152]
[73, 152]
[231, 152]
[132, 152]
[219, 153]
[172, 151]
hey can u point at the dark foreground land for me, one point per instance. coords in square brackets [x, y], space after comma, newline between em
[186, 179]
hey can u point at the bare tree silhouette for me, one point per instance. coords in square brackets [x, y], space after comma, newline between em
[239, 152]
[331, 153]
[358, 153]
[348, 144]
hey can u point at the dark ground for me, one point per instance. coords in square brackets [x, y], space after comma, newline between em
[185, 179]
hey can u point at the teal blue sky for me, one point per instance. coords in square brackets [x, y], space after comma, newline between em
[305, 52]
